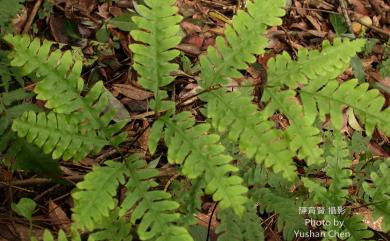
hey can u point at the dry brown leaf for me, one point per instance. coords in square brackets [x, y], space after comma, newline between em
[366, 214]
[187, 92]
[143, 139]
[58, 217]
[204, 219]
[86, 6]
[358, 7]
[314, 22]
[57, 27]
[132, 92]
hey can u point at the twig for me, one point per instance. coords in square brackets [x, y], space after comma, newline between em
[312, 9]
[38, 181]
[344, 9]
[163, 172]
[211, 218]
[33, 13]
[376, 29]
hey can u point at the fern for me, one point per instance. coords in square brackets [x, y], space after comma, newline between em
[61, 85]
[336, 195]
[338, 161]
[203, 155]
[16, 150]
[242, 40]
[47, 236]
[288, 218]
[234, 112]
[159, 30]
[85, 119]
[332, 96]
[302, 136]
[245, 228]
[379, 194]
[94, 197]
[328, 63]
[113, 228]
[95, 200]
[58, 134]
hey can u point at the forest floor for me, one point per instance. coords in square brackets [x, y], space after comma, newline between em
[99, 30]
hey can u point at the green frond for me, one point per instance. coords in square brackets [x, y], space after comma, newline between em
[245, 228]
[18, 151]
[331, 97]
[302, 136]
[159, 33]
[112, 228]
[357, 229]
[201, 154]
[286, 208]
[330, 62]
[94, 197]
[234, 113]
[338, 163]
[379, 194]
[57, 134]
[61, 85]
[241, 42]
[47, 236]
[153, 209]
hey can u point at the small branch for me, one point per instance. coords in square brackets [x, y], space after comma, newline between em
[376, 29]
[163, 172]
[33, 13]
[210, 220]
[344, 9]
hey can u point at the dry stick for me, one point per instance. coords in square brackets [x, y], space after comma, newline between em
[313, 9]
[344, 8]
[32, 16]
[210, 220]
[376, 29]
[163, 172]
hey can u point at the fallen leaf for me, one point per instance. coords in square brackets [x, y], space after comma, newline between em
[58, 217]
[132, 92]
[86, 6]
[366, 214]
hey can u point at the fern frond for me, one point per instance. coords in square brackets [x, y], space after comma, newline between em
[302, 136]
[330, 62]
[235, 114]
[245, 228]
[113, 228]
[57, 134]
[289, 219]
[201, 154]
[357, 229]
[95, 195]
[47, 236]
[338, 163]
[379, 194]
[13, 149]
[241, 42]
[332, 97]
[61, 85]
[153, 208]
[159, 32]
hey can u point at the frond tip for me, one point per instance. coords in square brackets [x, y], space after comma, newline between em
[58, 134]
[158, 30]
